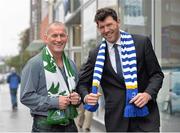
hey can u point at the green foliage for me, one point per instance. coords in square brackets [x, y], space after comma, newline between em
[18, 61]
[24, 40]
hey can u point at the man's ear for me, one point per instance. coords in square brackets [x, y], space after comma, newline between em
[97, 26]
[45, 38]
[119, 22]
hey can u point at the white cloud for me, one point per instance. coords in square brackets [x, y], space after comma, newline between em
[15, 15]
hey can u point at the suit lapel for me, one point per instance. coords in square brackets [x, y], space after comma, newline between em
[108, 67]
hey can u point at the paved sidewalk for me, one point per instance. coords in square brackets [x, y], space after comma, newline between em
[20, 120]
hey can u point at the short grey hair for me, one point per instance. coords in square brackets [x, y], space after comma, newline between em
[55, 23]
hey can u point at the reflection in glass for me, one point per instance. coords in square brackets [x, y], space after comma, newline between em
[107, 3]
[171, 34]
[70, 6]
[89, 29]
[135, 16]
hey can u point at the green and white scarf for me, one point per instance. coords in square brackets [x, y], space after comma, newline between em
[55, 83]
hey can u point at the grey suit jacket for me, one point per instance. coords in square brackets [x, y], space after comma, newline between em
[34, 93]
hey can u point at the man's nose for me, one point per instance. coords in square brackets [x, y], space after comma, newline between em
[58, 38]
[106, 29]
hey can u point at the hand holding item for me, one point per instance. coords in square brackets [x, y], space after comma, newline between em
[74, 98]
[64, 101]
[141, 99]
[92, 98]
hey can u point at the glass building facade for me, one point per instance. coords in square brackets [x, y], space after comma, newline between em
[157, 19]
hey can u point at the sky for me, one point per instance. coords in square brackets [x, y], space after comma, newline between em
[14, 19]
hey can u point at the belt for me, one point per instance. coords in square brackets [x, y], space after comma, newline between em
[39, 116]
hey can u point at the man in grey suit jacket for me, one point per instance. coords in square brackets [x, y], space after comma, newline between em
[50, 65]
[149, 78]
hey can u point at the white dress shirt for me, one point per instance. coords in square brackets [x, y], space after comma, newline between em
[112, 53]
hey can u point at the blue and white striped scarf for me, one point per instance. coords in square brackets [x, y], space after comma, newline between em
[129, 69]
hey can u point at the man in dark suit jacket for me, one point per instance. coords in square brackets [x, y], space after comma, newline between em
[149, 78]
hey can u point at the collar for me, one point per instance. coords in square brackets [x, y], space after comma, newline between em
[110, 45]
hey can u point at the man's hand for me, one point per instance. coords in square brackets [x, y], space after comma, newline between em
[141, 99]
[92, 99]
[64, 101]
[74, 98]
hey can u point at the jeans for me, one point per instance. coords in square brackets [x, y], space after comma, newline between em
[40, 125]
[13, 92]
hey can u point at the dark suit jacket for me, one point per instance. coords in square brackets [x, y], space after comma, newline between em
[150, 78]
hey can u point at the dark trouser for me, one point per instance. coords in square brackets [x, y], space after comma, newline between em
[39, 125]
[133, 127]
[13, 92]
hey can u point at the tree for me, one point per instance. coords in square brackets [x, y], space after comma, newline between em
[24, 40]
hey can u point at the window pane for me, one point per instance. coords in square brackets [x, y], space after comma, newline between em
[171, 34]
[77, 59]
[107, 3]
[76, 35]
[135, 16]
[89, 29]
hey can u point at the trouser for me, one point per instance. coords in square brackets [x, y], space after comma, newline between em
[85, 118]
[13, 93]
[133, 127]
[40, 125]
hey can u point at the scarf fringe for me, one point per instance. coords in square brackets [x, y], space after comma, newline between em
[132, 111]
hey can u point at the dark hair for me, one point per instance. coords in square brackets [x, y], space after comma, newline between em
[103, 13]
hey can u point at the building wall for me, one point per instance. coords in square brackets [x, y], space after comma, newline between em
[35, 19]
[44, 17]
[44, 24]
